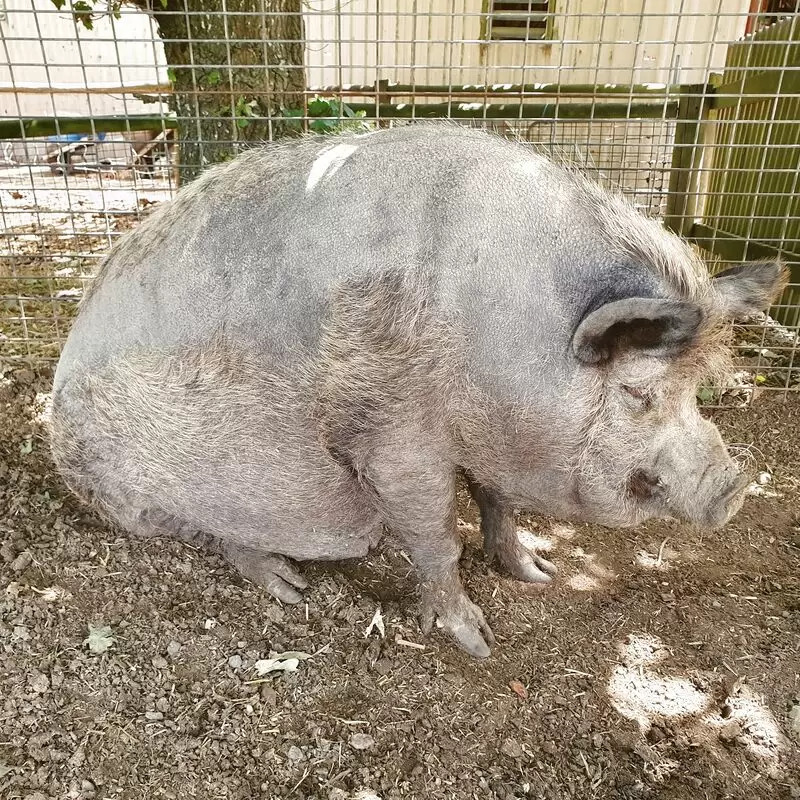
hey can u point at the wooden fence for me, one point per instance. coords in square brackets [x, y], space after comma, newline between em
[736, 165]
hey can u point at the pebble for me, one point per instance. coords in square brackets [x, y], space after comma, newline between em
[794, 721]
[361, 741]
[159, 662]
[295, 754]
[153, 716]
[173, 648]
[40, 683]
[22, 561]
[730, 731]
[511, 748]
[235, 661]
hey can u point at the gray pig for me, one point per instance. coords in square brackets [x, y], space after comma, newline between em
[310, 342]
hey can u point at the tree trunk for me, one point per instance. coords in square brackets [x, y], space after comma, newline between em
[233, 72]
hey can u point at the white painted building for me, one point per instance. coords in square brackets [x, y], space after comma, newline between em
[50, 65]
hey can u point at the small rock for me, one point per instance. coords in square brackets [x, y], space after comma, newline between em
[78, 758]
[268, 695]
[153, 716]
[550, 748]
[794, 721]
[764, 478]
[624, 740]
[40, 683]
[159, 662]
[361, 741]
[511, 748]
[730, 731]
[655, 735]
[173, 648]
[22, 561]
[235, 661]
[295, 754]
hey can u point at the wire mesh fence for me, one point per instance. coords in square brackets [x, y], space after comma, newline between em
[691, 108]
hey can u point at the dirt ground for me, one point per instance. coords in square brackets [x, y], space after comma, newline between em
[663, 663]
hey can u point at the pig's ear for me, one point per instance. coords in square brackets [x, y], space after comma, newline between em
[661, 327]
[746, 289]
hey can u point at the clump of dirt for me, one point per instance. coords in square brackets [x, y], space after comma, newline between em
[663, 662]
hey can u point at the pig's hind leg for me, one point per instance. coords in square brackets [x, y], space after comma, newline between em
[271, 571]
[500, 540]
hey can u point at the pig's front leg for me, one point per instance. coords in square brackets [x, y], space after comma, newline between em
[500, 538]
[416, 491]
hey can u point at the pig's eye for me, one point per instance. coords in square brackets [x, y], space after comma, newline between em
[642, 394]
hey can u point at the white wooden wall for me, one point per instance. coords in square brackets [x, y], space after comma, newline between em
[439, 42]
[410, 41]
[42, 49]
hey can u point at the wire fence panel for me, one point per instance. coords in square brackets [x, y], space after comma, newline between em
[690, 108]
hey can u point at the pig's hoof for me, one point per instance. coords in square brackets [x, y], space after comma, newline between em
[526, 565]
[463, 620]
[272, 572]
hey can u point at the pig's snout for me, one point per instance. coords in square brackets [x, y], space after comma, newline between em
[728, 503]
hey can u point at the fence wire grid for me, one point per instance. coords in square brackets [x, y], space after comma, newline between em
[691, 108]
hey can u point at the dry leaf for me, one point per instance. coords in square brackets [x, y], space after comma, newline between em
[99, 639]
[377, 622]
[518, 689]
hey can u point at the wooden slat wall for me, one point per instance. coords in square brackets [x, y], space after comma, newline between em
[754, 187]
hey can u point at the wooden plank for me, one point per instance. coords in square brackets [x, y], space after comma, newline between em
[736, 249]
[756, 87]
[581, 111]
[684, 176]
[28, 128]
[515, 90]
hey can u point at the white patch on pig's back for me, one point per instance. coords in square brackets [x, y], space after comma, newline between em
[326, 164]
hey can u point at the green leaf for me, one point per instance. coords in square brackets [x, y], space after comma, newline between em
[705, 394]
[242, 123]
[99, 639]
[170, 74]
[318, 107]
[321, 126]
[59, 4]
[82, 12]
[213, 78]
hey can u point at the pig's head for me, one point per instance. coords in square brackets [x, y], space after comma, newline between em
[646, 451]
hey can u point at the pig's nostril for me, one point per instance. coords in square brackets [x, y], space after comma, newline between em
[643, 483]
[736, 489]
